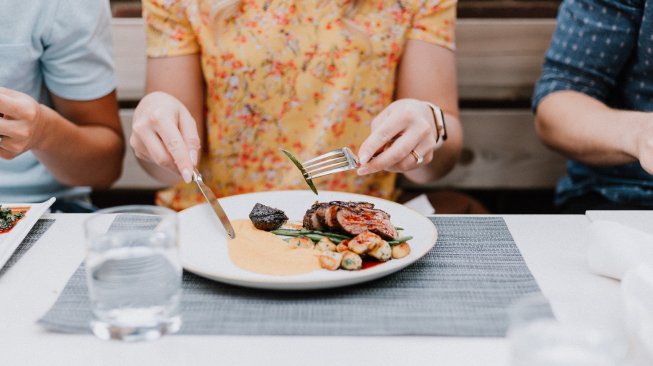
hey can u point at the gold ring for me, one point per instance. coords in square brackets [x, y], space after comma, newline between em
[418, 158]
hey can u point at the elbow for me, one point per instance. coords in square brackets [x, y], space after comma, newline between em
[108, 179]
[545, 131]
[111, 169]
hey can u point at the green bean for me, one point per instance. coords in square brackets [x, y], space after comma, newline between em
[336, 238]
[400, 240]
[313, 235]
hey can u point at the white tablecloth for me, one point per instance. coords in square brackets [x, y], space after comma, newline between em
[552, 245]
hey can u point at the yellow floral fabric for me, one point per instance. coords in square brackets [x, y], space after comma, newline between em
[300, 75]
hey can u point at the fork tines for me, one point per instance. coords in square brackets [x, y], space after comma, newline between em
[332, 162]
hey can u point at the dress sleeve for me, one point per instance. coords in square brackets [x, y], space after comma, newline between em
[76, 60]
[435, 22]
[592, 43]
[169, 31]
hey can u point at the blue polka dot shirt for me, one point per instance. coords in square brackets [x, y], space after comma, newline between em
[604, 49]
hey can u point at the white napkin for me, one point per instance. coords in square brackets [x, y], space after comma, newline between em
[421, 204]
[622, 252]
[637, 292]
[615, 248]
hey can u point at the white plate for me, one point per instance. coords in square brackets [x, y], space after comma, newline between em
[204, 248]
[9, 241]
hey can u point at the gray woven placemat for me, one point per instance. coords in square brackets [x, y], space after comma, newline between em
[461, 288]
[41, 226]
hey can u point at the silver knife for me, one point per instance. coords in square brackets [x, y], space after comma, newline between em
[217, 209]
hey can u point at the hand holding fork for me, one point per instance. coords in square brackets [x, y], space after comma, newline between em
[404, 136]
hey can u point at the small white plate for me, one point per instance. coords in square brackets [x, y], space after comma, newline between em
[204, 249]
[10, 240]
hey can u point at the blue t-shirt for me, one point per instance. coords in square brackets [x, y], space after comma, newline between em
[603, 48]
[54, 46]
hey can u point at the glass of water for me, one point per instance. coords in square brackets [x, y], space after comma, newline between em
[538, 339]
[133, 272]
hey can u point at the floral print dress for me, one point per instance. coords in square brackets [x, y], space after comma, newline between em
[293, 74]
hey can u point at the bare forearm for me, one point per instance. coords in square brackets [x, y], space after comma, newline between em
[428, 73]
[587, 130]
[80, 155]
[175, 89]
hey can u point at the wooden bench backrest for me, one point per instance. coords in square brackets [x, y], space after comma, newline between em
[498, 62]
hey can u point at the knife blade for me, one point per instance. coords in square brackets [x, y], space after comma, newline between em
[213, 201]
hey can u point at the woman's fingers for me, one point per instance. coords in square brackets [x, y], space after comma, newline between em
[394, 154]
[188, 129]
[401, 128]
[164, 132]
[149, 147]
[379, 137]
[167, 129]
[424, 149]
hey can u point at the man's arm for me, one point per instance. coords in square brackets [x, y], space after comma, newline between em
[592, 43]
[81, 143]
[588, 131]
[95, 159]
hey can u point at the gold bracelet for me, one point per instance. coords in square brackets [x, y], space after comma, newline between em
[440, 125]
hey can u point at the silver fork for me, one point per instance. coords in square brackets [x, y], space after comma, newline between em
[334, 161]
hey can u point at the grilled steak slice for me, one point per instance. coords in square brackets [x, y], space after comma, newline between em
[330, 217]
[355, 222]
[350, 218]
[312, 220]
[308, 218]
[319, 213]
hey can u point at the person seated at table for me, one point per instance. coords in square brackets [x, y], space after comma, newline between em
[593, 104]
[59, 127]
[232, 82]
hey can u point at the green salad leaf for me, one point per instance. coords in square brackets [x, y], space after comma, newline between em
[301, 169]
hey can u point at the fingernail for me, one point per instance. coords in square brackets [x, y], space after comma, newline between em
[186, 175]
[363, 171]
[364, 158]
[193, 157]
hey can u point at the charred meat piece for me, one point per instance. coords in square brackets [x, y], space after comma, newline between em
[267, 218]
[350, 218]
[312, 220]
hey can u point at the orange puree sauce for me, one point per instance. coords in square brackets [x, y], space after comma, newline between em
[263, 252]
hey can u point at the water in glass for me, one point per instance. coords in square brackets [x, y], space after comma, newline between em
[134, 279]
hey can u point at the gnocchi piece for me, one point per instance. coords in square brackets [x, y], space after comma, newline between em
[343, 246]
[325, 244]
[351, 261]
[330, 260]
[363, 242]
[400, 250]
[301, 242]
[380, 250]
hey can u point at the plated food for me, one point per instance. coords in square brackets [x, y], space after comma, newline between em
[16, 220]
[268, 262]
[9, 217]
[343, 234]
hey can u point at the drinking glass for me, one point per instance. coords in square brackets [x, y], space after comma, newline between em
[133, 272]
[538, 339]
